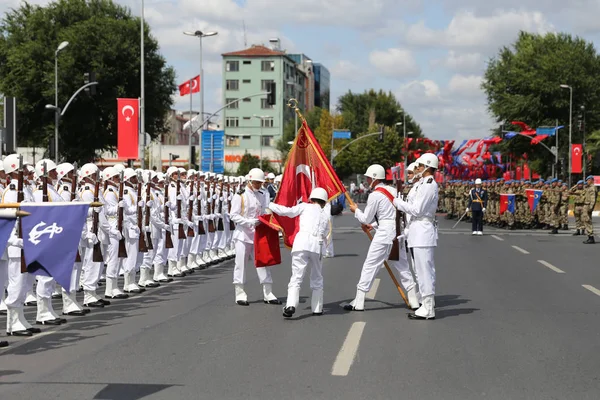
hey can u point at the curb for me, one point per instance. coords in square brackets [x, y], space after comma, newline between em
[594, 213]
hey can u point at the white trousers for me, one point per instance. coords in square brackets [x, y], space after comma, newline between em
[425, 270]
[377, 254]
[45, 286]
[18, 284]
[160, 256]
[111, 258]
[91, 270]
[176, 252]
[148, 257]
[301, 260]
[210, 238]
[243, 253]
[403, 268]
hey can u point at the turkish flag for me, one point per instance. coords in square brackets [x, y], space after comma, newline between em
[184, 88]
[307, 167]
[576, 158]
[128, 128]
[526, 172]
[266, 246]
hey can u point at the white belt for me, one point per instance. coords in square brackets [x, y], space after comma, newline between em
[430, 219]
[386, 222]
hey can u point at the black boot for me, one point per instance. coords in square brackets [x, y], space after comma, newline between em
[288, 312]
[565, 227]
[554, 231]
[590, 240]
[577, 233]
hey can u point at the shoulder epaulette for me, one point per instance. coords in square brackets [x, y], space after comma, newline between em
[110, 189]
[12, 186]
[430, 180]
[87, 187]
[241, 191]
[125, 191]
[40, 187]
[66, 188]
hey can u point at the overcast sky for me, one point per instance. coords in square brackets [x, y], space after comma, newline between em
[431, 54]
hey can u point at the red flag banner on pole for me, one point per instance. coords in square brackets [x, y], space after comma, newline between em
[184, 88]
[576, 158]
[307, 167]
[128, 128]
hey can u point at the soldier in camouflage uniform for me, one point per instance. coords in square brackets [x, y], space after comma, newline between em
[508, 217]
[554, 194]
[578, 193]
[564, 206]
[588, 207]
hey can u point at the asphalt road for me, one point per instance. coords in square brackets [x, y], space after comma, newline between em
[517, 318]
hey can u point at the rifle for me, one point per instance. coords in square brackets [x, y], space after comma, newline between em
[190, 231]
[73, 190]
[45, 183]
[97, 253]
[168, 240]
[400, 218]
[142, 247]
[231, 224]
[122, 248]
[209, 210]
[20, 198]
[180, 232]
[220, 226]
[201, 230]
[147, 222]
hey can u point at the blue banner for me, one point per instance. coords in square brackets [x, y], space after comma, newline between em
[547, 131]
[213, 151]
[51, 236]
[342, 134]
[6, 227]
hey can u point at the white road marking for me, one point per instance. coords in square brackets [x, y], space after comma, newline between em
[592, 289]
[373, 291]
[498, 238]
[552, 267]
[520, 249]
[39, 335]
[345, 357]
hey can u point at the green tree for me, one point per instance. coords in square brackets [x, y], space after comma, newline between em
[313, 119]
[522, 83]
[103, 37]
[247, 162]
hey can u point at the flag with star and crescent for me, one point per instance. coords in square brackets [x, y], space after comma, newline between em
[128, 128]
[51, 236]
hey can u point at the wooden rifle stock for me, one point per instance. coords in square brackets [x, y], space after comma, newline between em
[190, 230]
[97, 253]
[231, 224]
[209, 210]
[201, 230]
[168, 239]
[147, 222]
[180, 231]
[122, 248]
[396, 245]
[220, 226]
[142, 247]
[20, 198]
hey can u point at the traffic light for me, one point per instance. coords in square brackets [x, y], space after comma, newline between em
[580, 122]
[271, 96]
[380, 137]
[86, 78]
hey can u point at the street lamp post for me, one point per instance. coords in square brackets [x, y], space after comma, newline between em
[56, 114]
[570, 126]
[199, 34]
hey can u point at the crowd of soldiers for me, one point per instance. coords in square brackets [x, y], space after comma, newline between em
[551, 212]
[148, 222]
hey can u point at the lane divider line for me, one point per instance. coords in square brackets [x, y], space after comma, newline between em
[552, 267]
[498, 238]
[347, 353]
[373, 291]
[592, 289]
[520, 249]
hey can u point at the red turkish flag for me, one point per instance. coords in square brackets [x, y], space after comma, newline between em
[184, 88]
[307, 167]
[576, 158]
[128, 128]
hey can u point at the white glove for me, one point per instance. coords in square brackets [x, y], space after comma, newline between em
[179, 197]
[168, 204]
[217, 215]
[197, 218]
[192, 198]
[92, 238]
[167, 228]
[483, 209]
[136, 229]
[150, 203]
[189, 224]
[115, 234]
[176, 221]
[255, 221]
[121, 204]
[141, 203]
[147, 229]
[16, 242]
[97, 209]
[467, 210]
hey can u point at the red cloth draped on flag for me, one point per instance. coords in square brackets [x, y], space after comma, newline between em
[266, 246]
[307, 167]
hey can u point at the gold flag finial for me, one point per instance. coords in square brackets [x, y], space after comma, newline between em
[293, 104]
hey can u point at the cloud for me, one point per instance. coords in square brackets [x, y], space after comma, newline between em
[463, 62]
[466, 86]
[348, 71]
[394, 63]
[468, 31]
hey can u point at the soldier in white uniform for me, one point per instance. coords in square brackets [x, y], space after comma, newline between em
[422, 231]
[379, 209]
[307, 249]
[246, 207]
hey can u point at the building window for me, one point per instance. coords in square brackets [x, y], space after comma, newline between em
[247, 62]
[267, 66]
[265, 85]
[264, 105]
[247, 100]
[232, 66]
[247, 118]
[232, 84]
[233, 106]
[232, 141]
[246, 137]
[266, 141]
[266, 122]
[246, 81]
[232, 122]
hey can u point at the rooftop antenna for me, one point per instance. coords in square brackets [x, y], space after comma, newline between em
[245, 39]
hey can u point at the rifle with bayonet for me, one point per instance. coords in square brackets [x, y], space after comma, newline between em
[190, 214]
[97, 253]
[209, 209]
[122, 247]
[20, 199]
[180, 232]
[148, 211]
[400, 220]
[201, 230]
[142, 247]
[73, 190]
[168, 239]
[220, 226]
[231, 223]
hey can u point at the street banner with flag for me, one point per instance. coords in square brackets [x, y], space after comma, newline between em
[576, 158]
[307, 167]
[128, 128]
[507, 203]
[533, 198]
[184, 88]
[6, 227]
[51, 236]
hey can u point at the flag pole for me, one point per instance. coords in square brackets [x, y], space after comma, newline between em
[293, 104]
